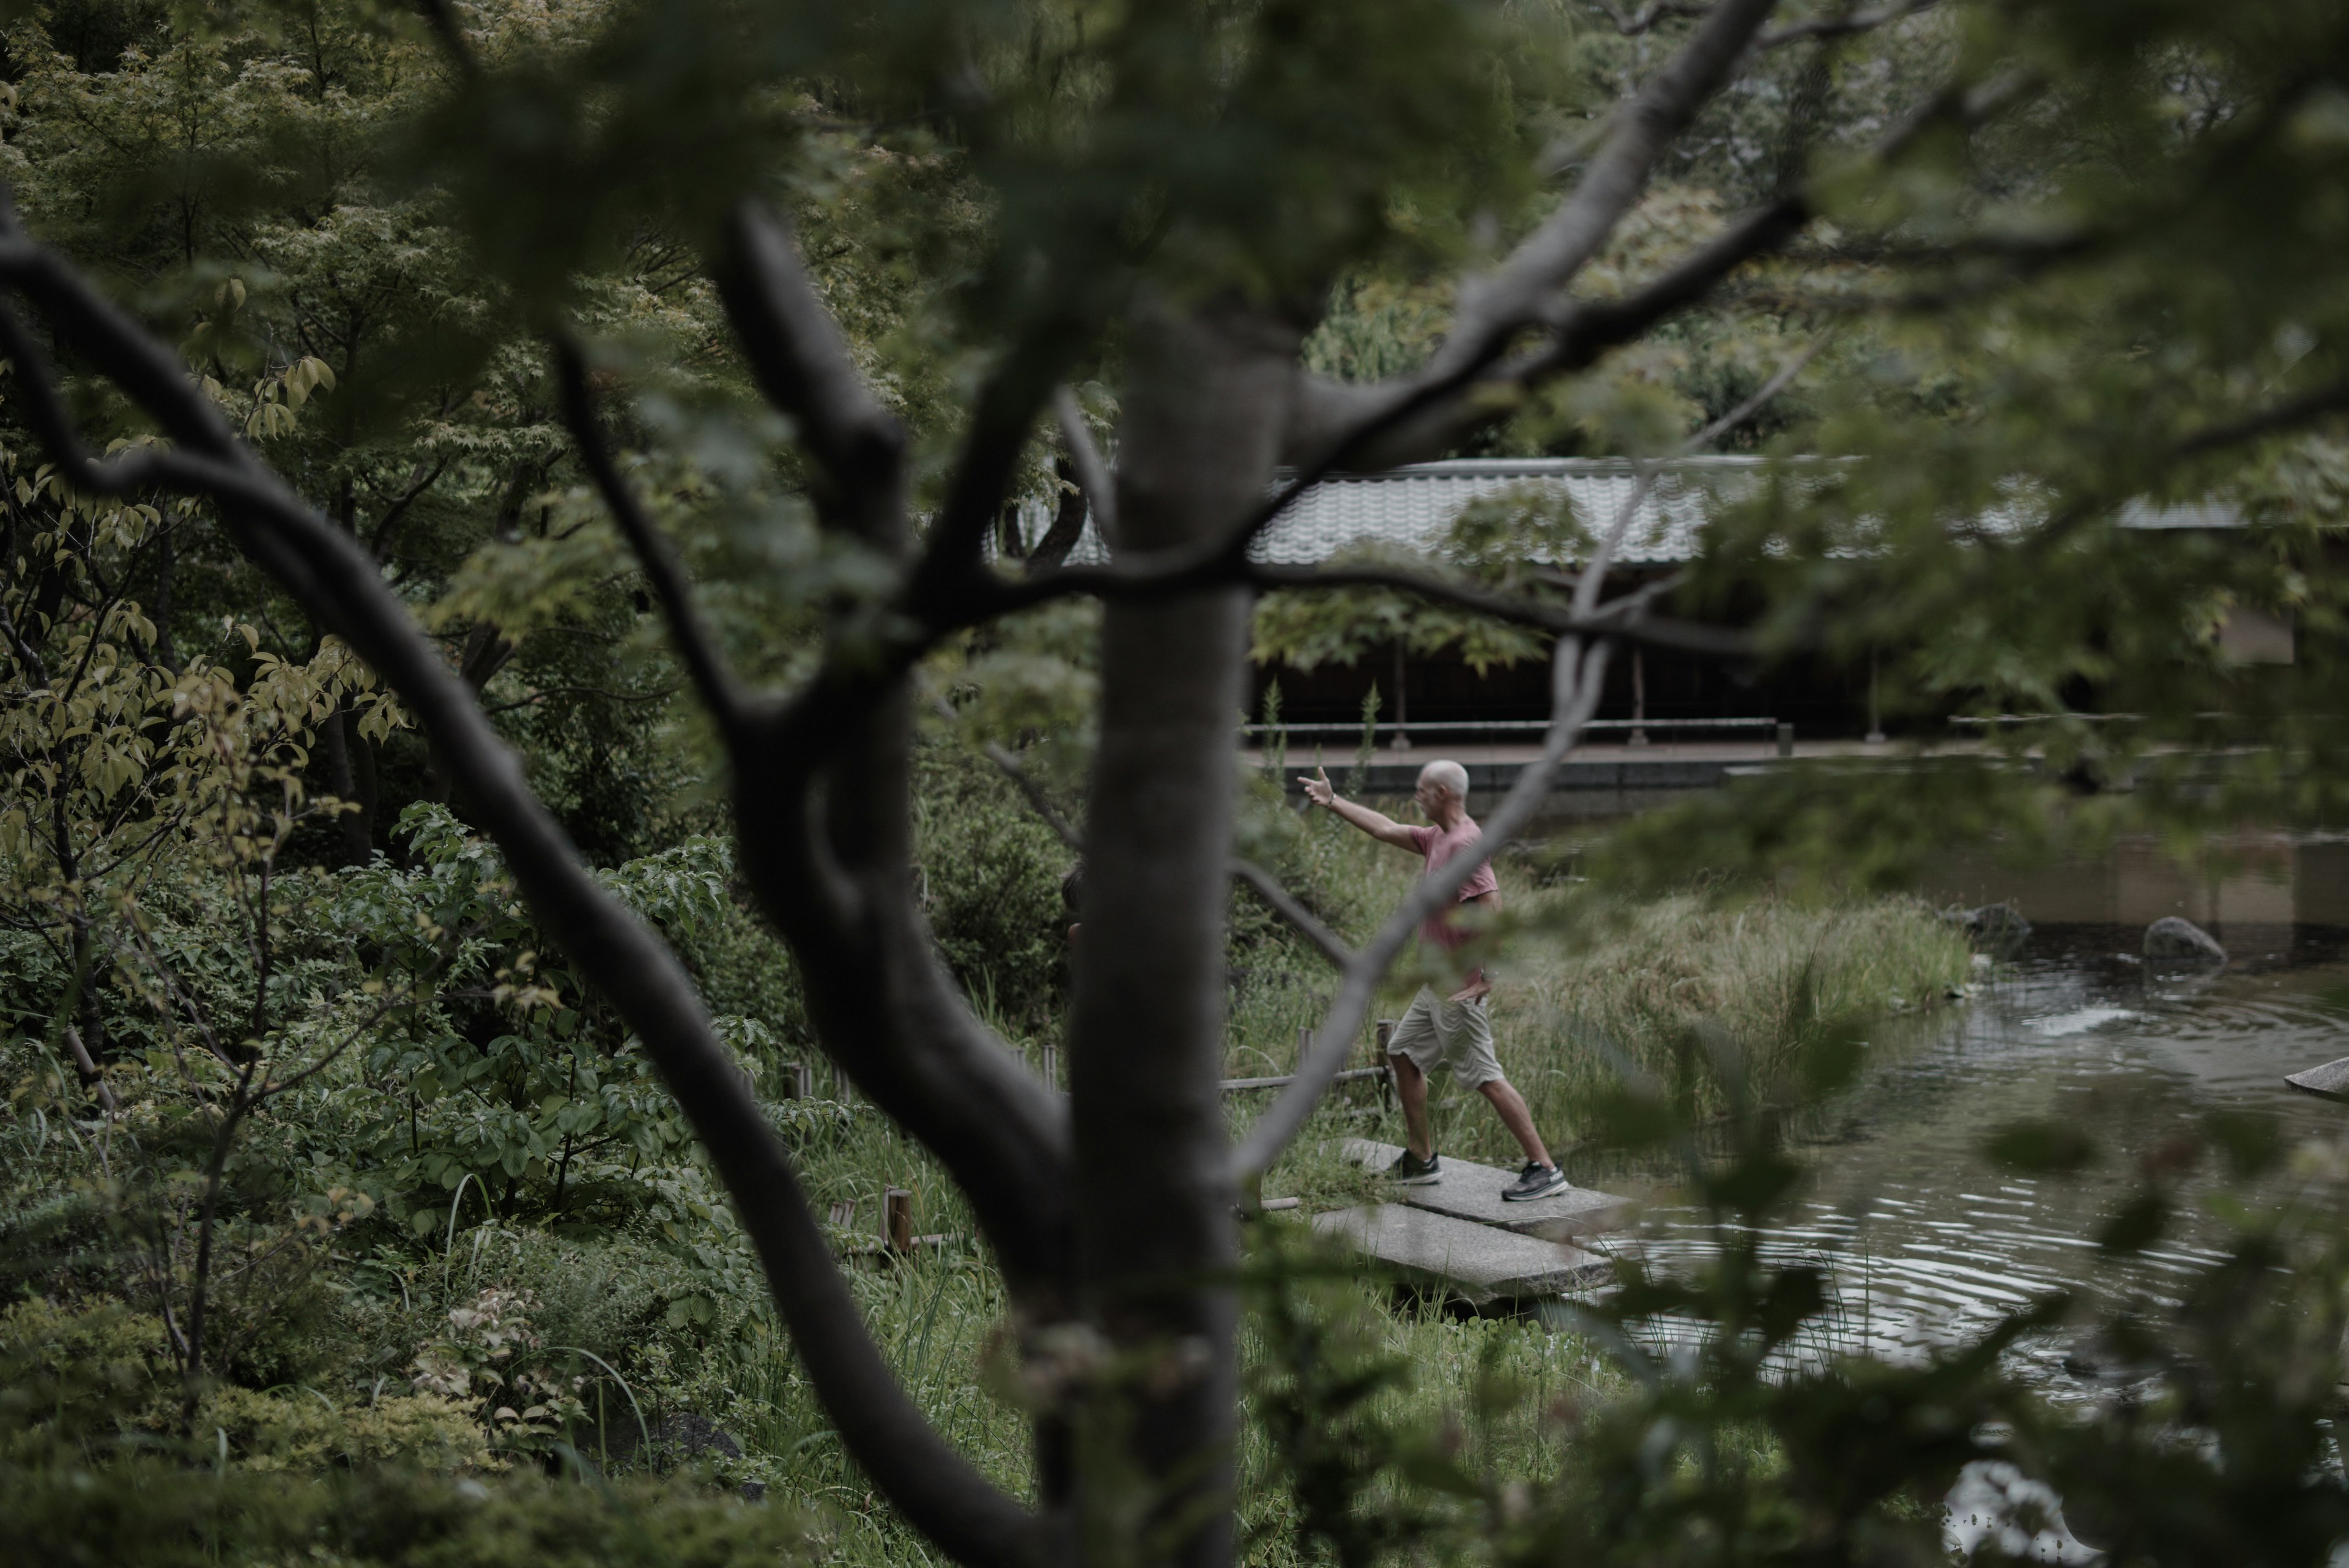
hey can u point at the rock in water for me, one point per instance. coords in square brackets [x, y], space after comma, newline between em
[2171, 937]
[1997, 928]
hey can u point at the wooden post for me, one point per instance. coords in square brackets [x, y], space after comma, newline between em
[1402, 741]
[1052, 1066]
[1639, 698]
[1385, 1035]
[793, 1083]
[1785, 740]
[1304, 1045]
[900, 1211]
[1874, 706]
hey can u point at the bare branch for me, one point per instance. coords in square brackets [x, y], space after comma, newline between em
[1396, 421]
[1521, 295]
[703, 663]
[89, 1070]
[1069, 513]
[1285, 904]
[1093, 480]
[2274, 420]
[419, 480]
[939, 1490]
[1011, 768]
[802, 363]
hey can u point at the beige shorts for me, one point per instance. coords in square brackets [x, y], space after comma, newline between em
[1436, 1031]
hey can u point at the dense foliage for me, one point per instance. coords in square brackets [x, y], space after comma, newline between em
[349, 1218]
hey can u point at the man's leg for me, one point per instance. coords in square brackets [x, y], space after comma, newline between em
[1514, 1116]
[1476, 1064]
[1411, 1089]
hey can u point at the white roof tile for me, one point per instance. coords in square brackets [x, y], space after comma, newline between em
[1411, 508]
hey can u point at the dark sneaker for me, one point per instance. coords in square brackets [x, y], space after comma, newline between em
[1534, 1181]
[1409, 1171]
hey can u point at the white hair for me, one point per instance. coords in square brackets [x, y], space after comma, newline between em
[1445, 773]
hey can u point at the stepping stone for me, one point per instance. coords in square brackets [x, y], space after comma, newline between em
[1470, 1191]
[1474, 1261]
[2332, 1080]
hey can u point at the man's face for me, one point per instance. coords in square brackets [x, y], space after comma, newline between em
[1431, 796]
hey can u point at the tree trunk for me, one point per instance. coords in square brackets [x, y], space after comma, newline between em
[350, 773]
[1154, 1240]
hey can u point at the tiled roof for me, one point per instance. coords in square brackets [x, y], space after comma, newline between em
[1411, 508]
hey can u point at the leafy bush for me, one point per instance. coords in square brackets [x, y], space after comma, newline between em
[990, 885]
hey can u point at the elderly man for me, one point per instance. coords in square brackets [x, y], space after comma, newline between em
[1453, 1029]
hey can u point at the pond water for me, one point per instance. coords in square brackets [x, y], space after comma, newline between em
[1926, 1240]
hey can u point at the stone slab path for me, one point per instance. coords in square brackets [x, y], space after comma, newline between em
[1470, 1191]
[1477, 1262]
[2332, 1080]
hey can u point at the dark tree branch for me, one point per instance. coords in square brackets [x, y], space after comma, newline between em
[703, 663]
[2276, 419]
[1523, 293]
[419, 480]
[1069, 513]
[1287, 905]
[333, 577]
[54, 428]
[1001, 426]
[801, 362]
[1011, 768]
[440, 16]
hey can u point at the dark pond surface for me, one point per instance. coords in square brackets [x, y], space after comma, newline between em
[1926, 1240]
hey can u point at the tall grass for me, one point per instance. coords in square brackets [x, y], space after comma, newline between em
[1586, 988]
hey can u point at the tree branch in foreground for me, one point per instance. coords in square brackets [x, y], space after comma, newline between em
[1093, 479]
[1287, 905]
[1395, 422]
[941, 1491]
[703, 663]
[801, 361]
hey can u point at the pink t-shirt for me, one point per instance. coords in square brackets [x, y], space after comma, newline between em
[1439, 845]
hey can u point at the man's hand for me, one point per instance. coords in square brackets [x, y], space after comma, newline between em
[1379, 825]
[1475, 989]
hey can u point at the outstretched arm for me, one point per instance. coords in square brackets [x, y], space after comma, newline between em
[1378, 825]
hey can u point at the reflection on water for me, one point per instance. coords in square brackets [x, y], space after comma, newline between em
[1926, 1242]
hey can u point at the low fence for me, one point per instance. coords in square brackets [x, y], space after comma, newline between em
[1400, 736]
